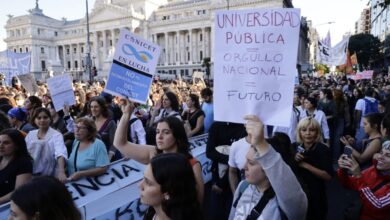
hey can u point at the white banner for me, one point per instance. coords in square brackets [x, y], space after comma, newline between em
[323, 53]
[255, 63]
[14, 64]
[115, 194]
[339, 52]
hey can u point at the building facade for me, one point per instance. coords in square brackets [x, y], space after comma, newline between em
[183, 29]
[363, 24]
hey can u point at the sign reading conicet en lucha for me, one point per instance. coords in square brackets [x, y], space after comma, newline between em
[133, 67]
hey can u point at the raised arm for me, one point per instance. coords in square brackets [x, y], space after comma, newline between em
[291, 198]
[140, 153]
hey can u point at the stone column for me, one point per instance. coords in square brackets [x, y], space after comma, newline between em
[104, 45]
[211, 44]
[113, 38]
[96, 46]
[79, 55]
[71, 55]
[178, 48]
[203, 43]
[190, 46]
[63, 57]
[166, 48]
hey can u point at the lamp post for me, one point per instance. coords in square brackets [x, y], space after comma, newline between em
[88, 61]
[227, 1]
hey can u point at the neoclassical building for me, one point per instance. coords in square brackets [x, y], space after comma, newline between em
[182, 28]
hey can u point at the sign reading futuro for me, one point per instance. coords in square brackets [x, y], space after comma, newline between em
[133, 67]
[255, 57]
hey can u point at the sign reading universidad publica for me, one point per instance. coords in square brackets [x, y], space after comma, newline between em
[133, 67]
[255, 58]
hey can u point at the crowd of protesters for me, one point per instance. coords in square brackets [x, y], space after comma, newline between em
[340, 128]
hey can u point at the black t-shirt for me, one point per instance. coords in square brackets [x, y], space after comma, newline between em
[319, 156]
[222, 133]
[8, 175]
[193, 118]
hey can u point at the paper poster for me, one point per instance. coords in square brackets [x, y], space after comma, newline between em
[255, 58]
[61, 91]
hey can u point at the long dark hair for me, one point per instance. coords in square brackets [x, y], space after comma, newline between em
[175, 176]
[195, 98]
[174, 100]
[47, 196]
[374, 119]
[178, 131]
[102, 103]
[19, 142]
[386, 125]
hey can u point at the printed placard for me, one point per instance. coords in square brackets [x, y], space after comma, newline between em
[133, 67]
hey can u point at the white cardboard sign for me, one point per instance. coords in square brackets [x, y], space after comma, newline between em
[61, 91]
[255, 64]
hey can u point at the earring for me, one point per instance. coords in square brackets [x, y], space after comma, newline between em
[166, 197]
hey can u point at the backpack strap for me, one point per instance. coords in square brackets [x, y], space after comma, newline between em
[104, 126]
[297, 113]
[129, 128]
[244, 184]
[258, 209]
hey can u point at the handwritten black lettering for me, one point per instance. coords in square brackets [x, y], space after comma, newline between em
[254, 96]
[252, 70]
[251, 38]
[259, 19]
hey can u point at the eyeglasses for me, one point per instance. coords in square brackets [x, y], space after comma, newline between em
[79, 127]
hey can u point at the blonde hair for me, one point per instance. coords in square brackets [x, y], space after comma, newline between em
[309, 122]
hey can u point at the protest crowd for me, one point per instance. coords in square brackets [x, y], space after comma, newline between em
[340, 128]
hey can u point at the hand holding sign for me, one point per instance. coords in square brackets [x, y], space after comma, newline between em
[255, 129]
[157, 107]
[127, 106]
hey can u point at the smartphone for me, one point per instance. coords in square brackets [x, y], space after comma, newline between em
[348, 152]
[301, 150]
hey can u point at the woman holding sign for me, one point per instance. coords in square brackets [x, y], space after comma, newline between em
[170, 138]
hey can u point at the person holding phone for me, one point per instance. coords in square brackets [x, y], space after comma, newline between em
[314, 166]
[371, 145]
[373, 183]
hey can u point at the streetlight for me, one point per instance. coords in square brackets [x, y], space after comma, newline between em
[88, 61]
[227, 1]
[329, 22]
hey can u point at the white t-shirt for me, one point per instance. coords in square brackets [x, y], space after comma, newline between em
[237, 155]
[361, 106]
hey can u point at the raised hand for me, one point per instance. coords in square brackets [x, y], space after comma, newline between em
[127, 107]
[255, 129]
